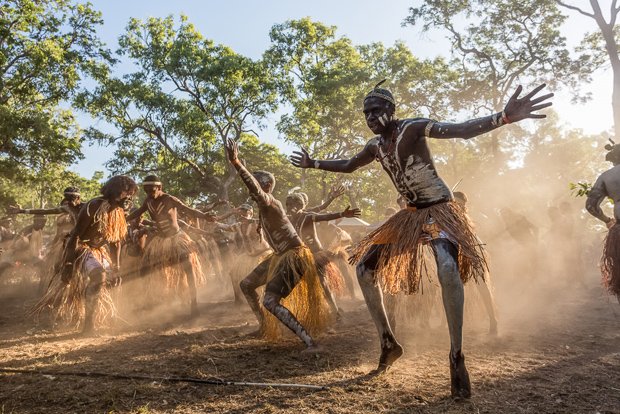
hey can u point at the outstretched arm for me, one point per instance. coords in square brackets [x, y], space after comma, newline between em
[516, 110]
[335, 192]
[187, 210]
[302, 159]
[256, 192]
[348, 212]
[37, 211]
[595, 197]
[136, 214]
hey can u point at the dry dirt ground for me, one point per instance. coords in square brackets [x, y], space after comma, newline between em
[561, 357]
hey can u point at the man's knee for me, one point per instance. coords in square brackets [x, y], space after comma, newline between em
[96, 279]
[270, 301]
[247, 286]
[364, 274]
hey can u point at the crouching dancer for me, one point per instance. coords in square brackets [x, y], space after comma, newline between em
[290, 270]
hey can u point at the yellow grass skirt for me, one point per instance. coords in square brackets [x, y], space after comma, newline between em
[402, 261]
[333, 275]
[165, 257]
[306, 301]
[67, 302]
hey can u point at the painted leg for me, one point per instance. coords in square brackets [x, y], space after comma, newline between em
[273, 305]
[329, 295]
[191, 283]
[489, 303]
[257, 278]
[390, 348]
[446, 255]
[96, 278]
[390, 302]
[346, 271]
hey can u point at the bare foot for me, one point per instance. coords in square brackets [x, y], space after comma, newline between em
[460, 386]
[389, 354]
[313, 350]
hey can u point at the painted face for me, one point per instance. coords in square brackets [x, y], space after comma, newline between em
[124, 200]
[74, 200]
[376, 114]
[151, 190]
[293, 206]
[245, 214]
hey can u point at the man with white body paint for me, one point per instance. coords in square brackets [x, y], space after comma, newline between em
[391, 257]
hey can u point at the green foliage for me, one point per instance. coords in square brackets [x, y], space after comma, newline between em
[45, 47]
[326, 79]
[503, 44]
[186, 98]
[580, 189]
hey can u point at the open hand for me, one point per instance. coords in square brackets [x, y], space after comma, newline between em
[520, 108]
[301, 159]
[349, 212]
[232, 150]
[336, 191]
[14, 209]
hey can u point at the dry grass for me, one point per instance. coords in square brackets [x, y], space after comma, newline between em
[567, 360]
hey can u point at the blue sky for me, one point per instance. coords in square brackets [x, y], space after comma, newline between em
[244, 25]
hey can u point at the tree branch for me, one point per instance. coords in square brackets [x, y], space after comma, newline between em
[571, 7]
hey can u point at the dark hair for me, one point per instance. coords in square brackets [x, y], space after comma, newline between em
[151, 178]
[297, 197]
[39, 221]
[384, 95]
[614, 154]
[71, 190]
[68, 197]
[116, 185]
[265, 177]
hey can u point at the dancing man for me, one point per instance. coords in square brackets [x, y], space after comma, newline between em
[391, 255]
[290, 269]
[304, 223]
[608, 186]
[80, 288]
[171, 253]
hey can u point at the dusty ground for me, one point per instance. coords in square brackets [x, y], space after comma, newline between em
[564, 358]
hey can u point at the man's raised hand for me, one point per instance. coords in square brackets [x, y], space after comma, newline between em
[520, 108]
[336, 191]
[349, 212]
[232, 151]
[301, 159]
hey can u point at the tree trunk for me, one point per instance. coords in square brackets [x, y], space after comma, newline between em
[607, 30]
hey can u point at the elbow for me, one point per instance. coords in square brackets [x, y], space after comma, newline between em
[349, 168]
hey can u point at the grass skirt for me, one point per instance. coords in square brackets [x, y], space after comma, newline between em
[67, 302]
[610, 262]
[306, 301]
[402, 261]
[333, 275]
[165, 257]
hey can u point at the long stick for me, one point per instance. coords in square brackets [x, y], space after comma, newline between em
[206, 381]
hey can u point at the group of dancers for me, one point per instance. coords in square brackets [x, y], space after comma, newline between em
[299, 275]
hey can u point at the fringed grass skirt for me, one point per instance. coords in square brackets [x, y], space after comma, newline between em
[165, 257]
[306, 300]
[67, 302]
[404, 235]
[610, 262]
[333, 276]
